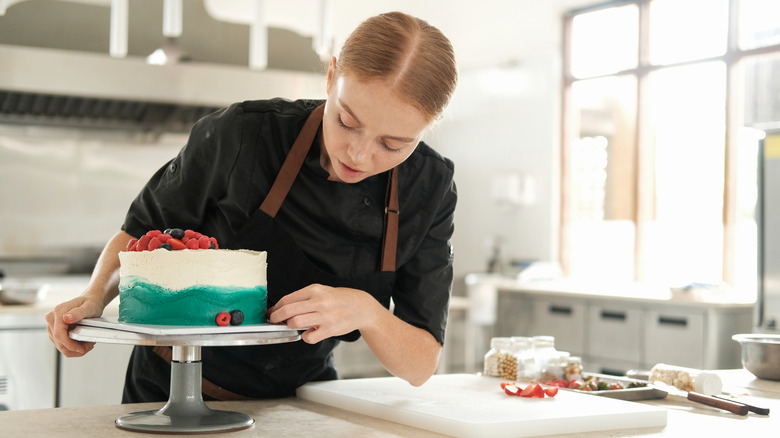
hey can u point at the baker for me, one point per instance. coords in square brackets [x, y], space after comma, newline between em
[353, 208]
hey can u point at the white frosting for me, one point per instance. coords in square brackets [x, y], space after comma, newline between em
[181, 269]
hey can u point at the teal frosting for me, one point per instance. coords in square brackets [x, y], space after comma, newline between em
[141, 302]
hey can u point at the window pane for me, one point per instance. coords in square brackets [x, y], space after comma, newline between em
[604, 41]
[758, 23]
[599, 192]
[686, 113]
[762, 90]
[682, 30]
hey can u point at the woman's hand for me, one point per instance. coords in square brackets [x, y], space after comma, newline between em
[326, 311]
[59, 321]
[406, 351]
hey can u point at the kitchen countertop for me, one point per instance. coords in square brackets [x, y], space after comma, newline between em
[293, 418]
[636, 292]
[55, 291]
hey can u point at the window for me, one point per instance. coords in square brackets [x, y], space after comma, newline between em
[664, 104]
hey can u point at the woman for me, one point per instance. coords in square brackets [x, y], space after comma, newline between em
[324, 175]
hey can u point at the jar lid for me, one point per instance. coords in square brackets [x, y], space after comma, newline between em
[708, 384]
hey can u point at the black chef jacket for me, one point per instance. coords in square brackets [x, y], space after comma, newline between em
[231, 159]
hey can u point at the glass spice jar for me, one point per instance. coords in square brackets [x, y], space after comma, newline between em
[498, 345]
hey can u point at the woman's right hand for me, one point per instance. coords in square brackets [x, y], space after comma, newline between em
[60, 320]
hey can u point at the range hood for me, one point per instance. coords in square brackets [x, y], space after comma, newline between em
[40, 86]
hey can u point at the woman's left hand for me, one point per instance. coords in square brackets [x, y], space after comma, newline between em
[326, 311]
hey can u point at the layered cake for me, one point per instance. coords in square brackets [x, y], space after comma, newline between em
[165, 279]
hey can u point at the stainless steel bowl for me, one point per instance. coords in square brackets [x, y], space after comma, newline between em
[760, 354]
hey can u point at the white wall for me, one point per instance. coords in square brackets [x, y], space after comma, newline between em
[512, 128]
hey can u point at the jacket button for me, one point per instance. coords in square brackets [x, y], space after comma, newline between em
[367, 201]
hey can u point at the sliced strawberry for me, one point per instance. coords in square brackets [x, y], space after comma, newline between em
[204, 242]
[538, 391]
[551, 391]
[191, 243]
[154, 243]
[512, 389]
[164, 238]
[153, 233]
[143, 243]
[131, 245]
[528, 391]
[176, 244]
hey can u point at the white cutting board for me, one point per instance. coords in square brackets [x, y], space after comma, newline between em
[467, 405]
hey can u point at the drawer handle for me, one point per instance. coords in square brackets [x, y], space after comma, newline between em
[670, 320]
[560, 310]
[621, 316]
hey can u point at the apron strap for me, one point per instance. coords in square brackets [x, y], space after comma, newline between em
[292, 164]
[390, 238]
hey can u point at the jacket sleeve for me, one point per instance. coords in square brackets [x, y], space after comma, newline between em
[181, 191]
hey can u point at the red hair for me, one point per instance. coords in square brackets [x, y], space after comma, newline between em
[412, 55]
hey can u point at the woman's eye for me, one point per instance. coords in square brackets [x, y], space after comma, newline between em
[389, 149]
[342, 124]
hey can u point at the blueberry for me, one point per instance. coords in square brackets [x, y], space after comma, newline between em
[176, 233]
[166, 246]
[212, 245]
[236, 317]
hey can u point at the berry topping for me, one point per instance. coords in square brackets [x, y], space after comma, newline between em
[236, 317]
[172, 239]
[131, 245]
[176, 233]
[143, 243]
[154, 243]
[176, 244]
[223, 319]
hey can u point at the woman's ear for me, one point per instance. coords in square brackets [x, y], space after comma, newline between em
[331, 73]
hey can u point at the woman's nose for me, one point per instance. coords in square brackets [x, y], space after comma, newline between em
[359, 151]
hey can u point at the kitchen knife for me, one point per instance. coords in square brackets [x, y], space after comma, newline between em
[720, 403]
[752, 408]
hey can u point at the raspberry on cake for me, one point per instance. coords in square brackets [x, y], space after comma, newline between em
[164, 279]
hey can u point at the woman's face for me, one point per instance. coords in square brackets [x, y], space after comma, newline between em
[367, 129]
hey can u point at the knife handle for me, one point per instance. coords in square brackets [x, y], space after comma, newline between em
[737, 408]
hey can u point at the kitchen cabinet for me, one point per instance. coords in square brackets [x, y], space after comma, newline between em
[27, 363]
[615, 332]
[97, 378]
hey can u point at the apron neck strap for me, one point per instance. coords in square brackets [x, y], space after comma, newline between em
[292, 164]
[390, 238]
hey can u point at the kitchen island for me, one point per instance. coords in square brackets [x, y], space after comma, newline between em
[294, 417]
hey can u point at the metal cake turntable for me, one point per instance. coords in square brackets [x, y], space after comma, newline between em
[185, 412]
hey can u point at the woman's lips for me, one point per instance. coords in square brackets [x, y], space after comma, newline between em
[350, 170]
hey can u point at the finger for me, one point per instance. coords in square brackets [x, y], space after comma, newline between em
[290, 310]
[312, 335]
[61, 336]
[294, 297]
